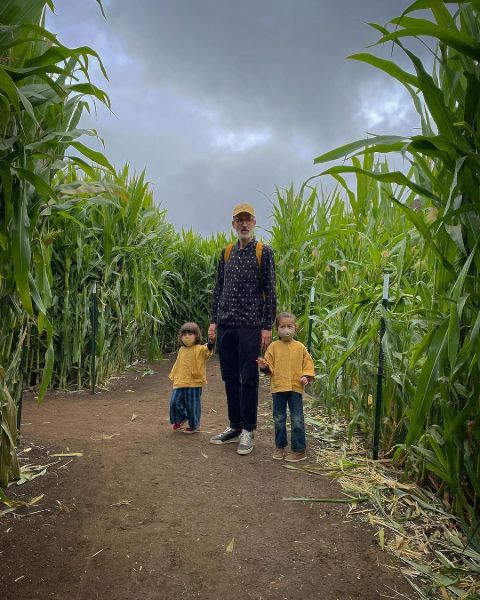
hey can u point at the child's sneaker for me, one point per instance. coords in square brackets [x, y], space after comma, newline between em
[191, 430]
[296, 456]
[178, 426]
[278, 454]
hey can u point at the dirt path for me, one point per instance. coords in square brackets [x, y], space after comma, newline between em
[148, 513]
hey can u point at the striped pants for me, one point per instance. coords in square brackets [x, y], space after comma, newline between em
[185, 403]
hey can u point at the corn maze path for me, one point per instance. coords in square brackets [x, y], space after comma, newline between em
[146, 513]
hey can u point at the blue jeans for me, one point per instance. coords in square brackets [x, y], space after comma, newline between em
[185, 403]
[295, 406]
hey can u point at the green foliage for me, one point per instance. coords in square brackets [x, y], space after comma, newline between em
[61, 231]
[43, 86]
[434, 357]
[106, 231]
[196, 264]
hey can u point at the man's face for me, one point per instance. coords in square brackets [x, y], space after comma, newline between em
[244, 224]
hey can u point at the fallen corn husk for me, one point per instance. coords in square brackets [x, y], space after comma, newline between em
[410, 521]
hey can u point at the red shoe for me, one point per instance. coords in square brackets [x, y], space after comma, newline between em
[191, 430]
[178, 426]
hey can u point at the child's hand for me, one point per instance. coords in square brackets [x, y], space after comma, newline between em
[304, 380]
[262, 363]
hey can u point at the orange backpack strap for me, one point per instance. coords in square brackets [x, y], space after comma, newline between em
[228, 251]
[258, 253]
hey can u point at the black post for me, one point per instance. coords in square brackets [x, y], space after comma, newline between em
[381, 359]
[93, 354]
[20, 398]
[310, 323]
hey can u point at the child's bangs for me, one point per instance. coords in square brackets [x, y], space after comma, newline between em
[188, 330]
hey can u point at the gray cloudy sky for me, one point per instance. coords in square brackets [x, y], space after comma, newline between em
[222, 100]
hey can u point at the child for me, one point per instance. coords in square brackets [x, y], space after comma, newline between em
[290, 366]
[188, 375]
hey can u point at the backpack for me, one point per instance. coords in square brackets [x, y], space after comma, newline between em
[258, 252]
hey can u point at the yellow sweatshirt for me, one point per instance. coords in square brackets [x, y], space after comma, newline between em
[288, 363]
[189, 369]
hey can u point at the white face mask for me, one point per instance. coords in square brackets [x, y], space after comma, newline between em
[188, 341]
[286, 332]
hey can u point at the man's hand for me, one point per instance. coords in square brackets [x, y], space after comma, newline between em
[304, 380]
[212, 331]
[266, 338]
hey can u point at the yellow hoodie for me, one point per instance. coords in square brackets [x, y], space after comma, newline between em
[288, 363]
[189, 369]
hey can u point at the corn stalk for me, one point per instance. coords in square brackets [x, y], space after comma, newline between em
[442, 420]
[106, 230]
[43, 86]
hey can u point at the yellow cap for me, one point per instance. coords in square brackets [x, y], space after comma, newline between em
[243, 208]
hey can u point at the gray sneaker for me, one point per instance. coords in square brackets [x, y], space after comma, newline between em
[226, 437]
[245, 445]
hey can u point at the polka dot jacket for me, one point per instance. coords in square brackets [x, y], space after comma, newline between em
[244, 294]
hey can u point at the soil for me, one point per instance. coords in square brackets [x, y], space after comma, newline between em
[149, 513]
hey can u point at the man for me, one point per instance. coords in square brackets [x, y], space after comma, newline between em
[243, 310]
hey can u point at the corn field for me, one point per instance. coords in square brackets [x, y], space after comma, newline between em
[45, 87]
[68, 221]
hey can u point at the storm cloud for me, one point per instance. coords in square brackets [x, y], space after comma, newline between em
[222, 101]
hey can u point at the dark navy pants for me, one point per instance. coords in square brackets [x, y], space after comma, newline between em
[239, 348]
